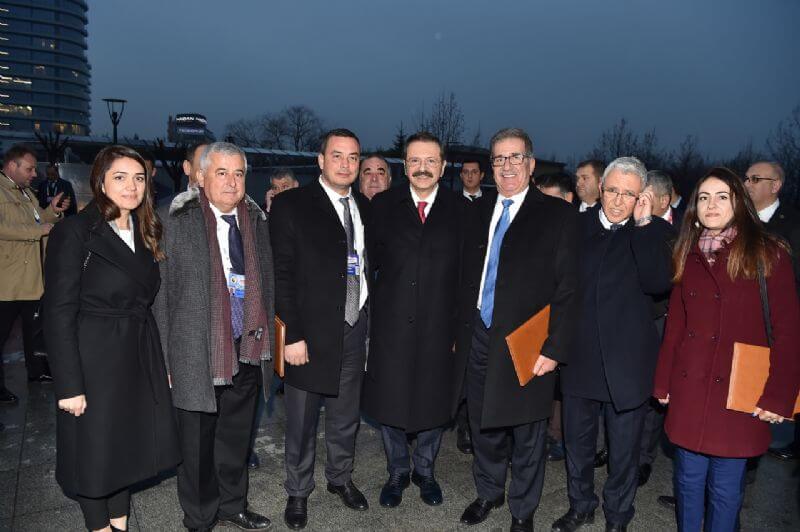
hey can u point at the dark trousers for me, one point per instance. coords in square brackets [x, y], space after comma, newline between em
[212, 480]
[721, 478]
[398, 460]
[462, 414]
[342, 418]
[97, 513]
[31, 334]
[623, 433]
[652, 431]
[492, 448]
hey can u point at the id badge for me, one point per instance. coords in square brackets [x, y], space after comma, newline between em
[352, 264]
[236, 285]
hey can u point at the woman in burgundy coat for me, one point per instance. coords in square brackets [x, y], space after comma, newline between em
[716, 302]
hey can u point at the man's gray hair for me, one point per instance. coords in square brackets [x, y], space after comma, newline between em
[627, 165]
[776, 167]
[661, 182]
[224, 148]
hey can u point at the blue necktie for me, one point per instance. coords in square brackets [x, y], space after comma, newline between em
[236, 254]
[487, 299]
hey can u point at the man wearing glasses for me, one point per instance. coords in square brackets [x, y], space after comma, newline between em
[520, 256]
[625, 260]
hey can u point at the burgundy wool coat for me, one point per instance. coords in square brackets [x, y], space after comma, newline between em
[708, 312]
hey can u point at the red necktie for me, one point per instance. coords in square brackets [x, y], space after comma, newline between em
[421, 210]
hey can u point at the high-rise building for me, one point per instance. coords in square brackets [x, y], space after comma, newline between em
[45, 76]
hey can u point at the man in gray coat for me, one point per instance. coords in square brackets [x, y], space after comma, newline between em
[215, 313]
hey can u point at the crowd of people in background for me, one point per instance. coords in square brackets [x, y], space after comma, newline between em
[396, 298]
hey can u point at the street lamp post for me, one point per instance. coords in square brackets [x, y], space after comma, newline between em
[115, 109]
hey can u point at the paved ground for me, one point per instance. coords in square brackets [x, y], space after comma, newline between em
[31, 500]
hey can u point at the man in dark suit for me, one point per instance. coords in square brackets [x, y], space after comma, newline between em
[520, 256]
[625, 260]
[321, 288]
[763, 181]
[52, 187]
[414, 250]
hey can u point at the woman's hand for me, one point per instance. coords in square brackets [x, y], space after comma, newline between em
[74, 405]
[766, 415]
[664, 401]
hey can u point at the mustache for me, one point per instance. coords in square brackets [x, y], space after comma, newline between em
[421, 173]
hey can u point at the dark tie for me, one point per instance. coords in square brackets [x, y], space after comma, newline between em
[487, 299]
[615, 227]
[353, 281]
[421, 210]
[472, 197]
[236, 254]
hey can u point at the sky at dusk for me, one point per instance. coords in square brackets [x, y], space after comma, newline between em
[565, 70]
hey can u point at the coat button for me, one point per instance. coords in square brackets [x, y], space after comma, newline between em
[690, 334]
[411, 319]
[339, 307]
[341, 276]
[716, 296]
[413, 283]
[692, 293]
[697, 260]
[717, 380]
[714, 337]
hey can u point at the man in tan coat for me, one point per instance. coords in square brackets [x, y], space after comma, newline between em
[23, 229]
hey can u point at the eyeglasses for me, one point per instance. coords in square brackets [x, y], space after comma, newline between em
[514, 158]
[756, 179]
[613, 193]
[417, 161]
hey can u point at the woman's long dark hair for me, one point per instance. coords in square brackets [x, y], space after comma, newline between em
[146, 220]
[752, 245]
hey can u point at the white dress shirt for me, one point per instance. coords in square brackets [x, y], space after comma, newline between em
[677, 202]
[513, 209]
[477, 194]
[767, 213]
[358, 232]
[430, 199]
[585, 206]
[125, 234]
[607, 224]
[222, 237]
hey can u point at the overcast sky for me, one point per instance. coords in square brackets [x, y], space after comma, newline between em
[565, 70]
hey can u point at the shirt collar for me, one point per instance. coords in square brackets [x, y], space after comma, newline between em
[767, 213]
[606, 222]
[429, 200]
[332, 194]
[517, 198]
[477, 194]
[218, 213]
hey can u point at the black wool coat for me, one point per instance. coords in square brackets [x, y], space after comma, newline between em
[102, 341]
[538, 267]
[614, 357]
[415, 267]
[309, 247]
[785, 223]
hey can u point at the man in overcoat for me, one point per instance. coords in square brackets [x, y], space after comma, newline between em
[215, 314]
[625, 259]
[522, 257]
[318, 237]
[414, 256]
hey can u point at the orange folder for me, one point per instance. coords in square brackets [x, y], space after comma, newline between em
[525, 344]
[749, 373]
[280, 342]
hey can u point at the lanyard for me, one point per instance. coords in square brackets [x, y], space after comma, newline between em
[33, 207]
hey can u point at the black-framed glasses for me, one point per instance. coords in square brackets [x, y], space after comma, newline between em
[612, 193]
[756, 179]
[514, 158]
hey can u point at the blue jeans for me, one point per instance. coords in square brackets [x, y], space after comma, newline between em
[721, 478]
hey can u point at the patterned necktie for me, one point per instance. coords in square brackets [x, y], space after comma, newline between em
[615, 227]
[353, 280]
[487, 299]
[421, 210]
[236, 254]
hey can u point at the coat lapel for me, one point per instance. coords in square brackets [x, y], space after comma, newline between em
[105, 243]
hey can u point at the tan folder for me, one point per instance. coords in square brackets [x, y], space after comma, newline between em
[749, 373]
[280, 343]
[525, 344]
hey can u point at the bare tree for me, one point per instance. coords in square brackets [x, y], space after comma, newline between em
[304, 127]
[171, 160]
[54, 146]
[618, 141]
[446, 120]
[274, 131]
[686, 164]
[399, 142]
[746, 156]
[476, 138]
[784, 147]
[244, 132]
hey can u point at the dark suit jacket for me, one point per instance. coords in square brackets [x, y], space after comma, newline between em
[538, 267]
[615, 354]
[310, 249]
[62, 185]
[786, 224]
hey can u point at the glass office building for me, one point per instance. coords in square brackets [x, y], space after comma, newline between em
[45, 77]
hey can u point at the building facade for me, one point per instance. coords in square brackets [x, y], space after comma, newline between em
[45, 76]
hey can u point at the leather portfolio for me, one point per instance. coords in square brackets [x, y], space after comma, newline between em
[280, 343]
[525, 344]
[749, 373]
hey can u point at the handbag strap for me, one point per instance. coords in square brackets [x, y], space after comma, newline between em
[762, 288]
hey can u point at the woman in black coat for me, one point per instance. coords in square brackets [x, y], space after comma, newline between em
[115, 424]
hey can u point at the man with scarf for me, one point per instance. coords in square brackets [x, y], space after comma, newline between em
[215, 312]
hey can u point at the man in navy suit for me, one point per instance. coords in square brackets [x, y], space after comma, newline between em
[52, 187]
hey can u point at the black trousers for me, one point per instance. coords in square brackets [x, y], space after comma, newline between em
[31, 334]
[97, 513]
[652, 431]
[212, 480]
[342, 418]
[396, 446]
[524, 444]
[623, 433]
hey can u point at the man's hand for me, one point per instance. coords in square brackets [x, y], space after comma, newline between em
[296, 354]
[74, 405]
[45, 228]
[766, 415]
[543, 365]
[54, 203]
[644, 206]
[269, 197]
[665, 401]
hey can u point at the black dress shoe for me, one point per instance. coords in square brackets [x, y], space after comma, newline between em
[616, 527]
[247, 520]
[572, 521]
[252, 461]
[521, 525]
[667, 501]
[7, 398]
[296, 513]
[785, 453]
[464, 441]
[429, 490]
[351, 497]
[479, 509]
[644, 474]
[601, 458]
[392, 492]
